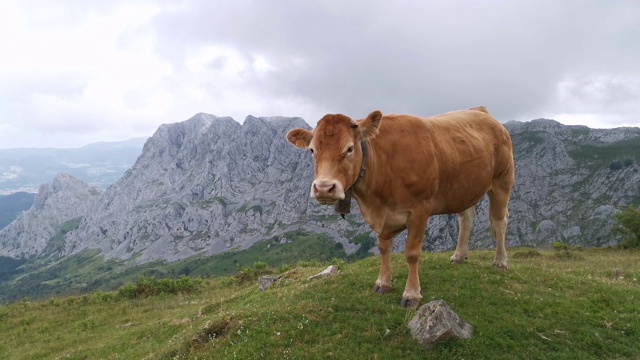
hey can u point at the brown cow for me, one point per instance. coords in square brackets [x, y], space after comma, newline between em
[402, 169]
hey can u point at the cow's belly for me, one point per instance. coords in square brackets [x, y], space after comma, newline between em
[456, 207]
[385, 223]
[461, 195]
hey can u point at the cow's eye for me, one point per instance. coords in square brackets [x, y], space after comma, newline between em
[312, 153]
[350, 150]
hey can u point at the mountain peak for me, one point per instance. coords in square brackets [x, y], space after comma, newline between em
[65, 198]
[276, 122]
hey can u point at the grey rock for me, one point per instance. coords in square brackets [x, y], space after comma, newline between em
[545, 227]
[331, 270]
[603, 212]
[266, 281]
[435, 322]
[571, 232]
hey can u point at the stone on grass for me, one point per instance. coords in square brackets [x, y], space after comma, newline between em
[266, 281]
[435, 322]
[326, 272]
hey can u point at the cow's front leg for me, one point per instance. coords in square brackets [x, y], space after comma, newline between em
[383, 284]
[411, 296]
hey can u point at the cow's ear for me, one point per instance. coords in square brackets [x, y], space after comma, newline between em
[368, 127]
[300, 138]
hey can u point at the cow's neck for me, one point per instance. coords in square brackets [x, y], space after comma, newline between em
[344, 206]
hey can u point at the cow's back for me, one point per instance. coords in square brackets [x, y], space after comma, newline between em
[448, 160]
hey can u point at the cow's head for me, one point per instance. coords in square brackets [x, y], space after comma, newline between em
[337, 152]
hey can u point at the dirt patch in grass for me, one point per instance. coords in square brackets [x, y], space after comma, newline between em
[617, 274]
[527, 254]
[182, 321]
[213, 330]
[566, 255]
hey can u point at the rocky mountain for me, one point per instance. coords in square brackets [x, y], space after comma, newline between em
[209, 184]
[63, 201]
[570, 180]
[98, 164]
[205, 185]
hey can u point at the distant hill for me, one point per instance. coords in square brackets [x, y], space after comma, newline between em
[12, 205]
[99, 164]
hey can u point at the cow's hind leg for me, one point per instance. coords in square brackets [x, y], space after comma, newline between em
[411, 296]
[465, 222]
[498, 201]
[383, 284]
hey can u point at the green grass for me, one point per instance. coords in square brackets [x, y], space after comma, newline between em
[298, 247]
[544, 307]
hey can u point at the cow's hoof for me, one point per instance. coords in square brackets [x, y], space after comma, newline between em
[457, 259]
[381, 289]
[410, 303]
[500, 265]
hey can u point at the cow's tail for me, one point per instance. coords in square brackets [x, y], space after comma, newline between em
[480, 108]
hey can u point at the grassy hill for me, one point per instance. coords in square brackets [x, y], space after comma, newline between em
[49, 275]
[555, 304]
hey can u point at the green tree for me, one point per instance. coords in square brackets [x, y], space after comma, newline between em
[628, 225]
[615, 165]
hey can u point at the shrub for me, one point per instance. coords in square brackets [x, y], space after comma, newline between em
[259, 265]
[615, 165]
[628, 225]
[100, 296]
[558, 246]
[250, 274]
[627, 162]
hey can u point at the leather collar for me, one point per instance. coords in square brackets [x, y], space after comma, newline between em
[343, 206]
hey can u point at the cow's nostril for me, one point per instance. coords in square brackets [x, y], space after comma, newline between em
[325, 188]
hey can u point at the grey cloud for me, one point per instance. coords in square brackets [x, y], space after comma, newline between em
[17, 91]
[416, 57]
[521, 59]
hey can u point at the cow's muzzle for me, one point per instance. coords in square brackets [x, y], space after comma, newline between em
[326, 191]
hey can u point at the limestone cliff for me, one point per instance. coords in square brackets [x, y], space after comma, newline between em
[65, 198]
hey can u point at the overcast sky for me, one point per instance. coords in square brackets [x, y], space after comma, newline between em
[79, 71]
